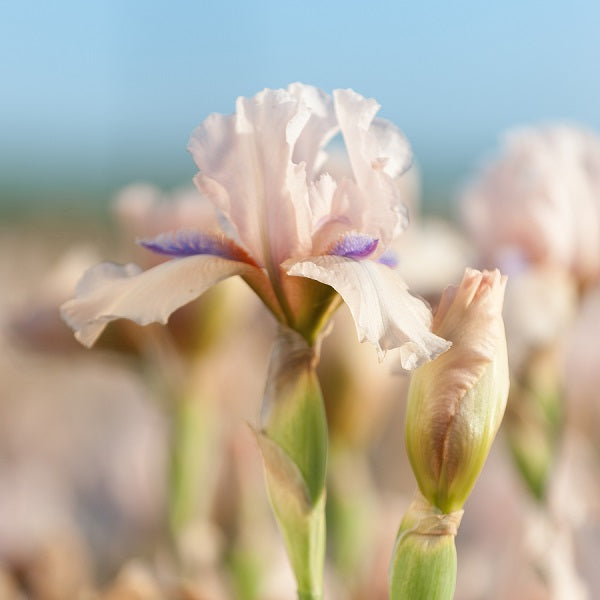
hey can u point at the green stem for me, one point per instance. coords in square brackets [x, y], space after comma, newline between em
[423, 563]
[309, 596]
[190, 464]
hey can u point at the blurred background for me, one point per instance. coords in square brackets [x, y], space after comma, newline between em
[101, 94]
[102, 493]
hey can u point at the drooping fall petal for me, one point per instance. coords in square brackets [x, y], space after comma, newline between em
[384, 311]
[108, 292]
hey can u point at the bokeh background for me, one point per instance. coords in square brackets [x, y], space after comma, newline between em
[97, 96]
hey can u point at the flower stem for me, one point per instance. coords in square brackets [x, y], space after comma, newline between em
[423, 563]
[309, 596]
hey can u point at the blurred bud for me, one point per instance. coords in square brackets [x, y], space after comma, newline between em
[293, 442]
[456, 402]
[534, 418]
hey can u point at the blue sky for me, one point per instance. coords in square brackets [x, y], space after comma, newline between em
[106, 92]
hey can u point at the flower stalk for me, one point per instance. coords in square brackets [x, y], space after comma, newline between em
[190, 464]
[425, 553]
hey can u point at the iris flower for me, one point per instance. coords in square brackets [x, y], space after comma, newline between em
[302, 239]
[537, 203]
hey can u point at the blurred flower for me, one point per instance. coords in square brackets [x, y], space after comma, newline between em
[436, 253]
[540, 202]
[291, 230]
[457, 401]
[35, 321]
[142, 210]
[536, 213]
[539, 308]
[144, 207]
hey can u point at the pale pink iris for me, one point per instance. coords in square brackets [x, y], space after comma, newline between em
[293, 232]
[539, 202]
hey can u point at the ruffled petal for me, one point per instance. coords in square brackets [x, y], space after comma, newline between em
[108, 291]
[384, 311]
[246, 169]
[318, 131]
[469, 315]
[378, 153]
[372, 144]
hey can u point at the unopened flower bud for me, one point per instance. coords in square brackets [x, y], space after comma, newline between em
[456, 402]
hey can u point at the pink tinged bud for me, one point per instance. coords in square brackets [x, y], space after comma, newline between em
[456, 402]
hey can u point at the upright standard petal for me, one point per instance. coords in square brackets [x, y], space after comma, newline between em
[107, 292]
[378, 153]
[384, 311]
[319, 129]
[246, 169]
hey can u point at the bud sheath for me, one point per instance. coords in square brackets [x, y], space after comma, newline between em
[293, 443]
[423, 564]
